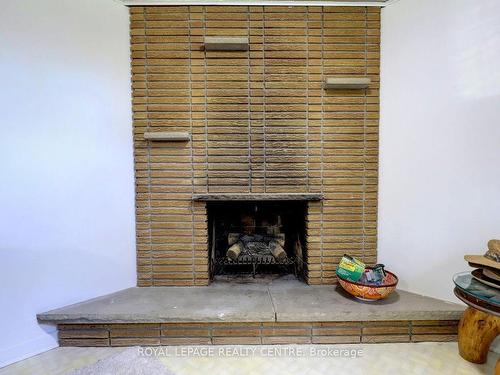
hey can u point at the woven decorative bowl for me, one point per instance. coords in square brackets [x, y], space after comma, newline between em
[370, 292]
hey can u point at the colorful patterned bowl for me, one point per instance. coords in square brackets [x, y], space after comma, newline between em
[370, 292]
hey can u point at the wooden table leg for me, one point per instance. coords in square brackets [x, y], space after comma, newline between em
[476, 331]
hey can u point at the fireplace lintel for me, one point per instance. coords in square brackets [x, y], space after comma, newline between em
[210, 197]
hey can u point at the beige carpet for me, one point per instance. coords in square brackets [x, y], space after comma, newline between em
[407, 359]
[127, 362]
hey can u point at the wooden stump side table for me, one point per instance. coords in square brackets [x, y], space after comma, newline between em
[476, 332]
[480, 323]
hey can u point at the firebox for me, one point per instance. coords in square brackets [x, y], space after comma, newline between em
[257, 237]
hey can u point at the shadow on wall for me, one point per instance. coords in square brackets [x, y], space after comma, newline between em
[476, 69]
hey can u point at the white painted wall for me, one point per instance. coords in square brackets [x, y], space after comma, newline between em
[66, 191]
[66, 170]
[439, 139]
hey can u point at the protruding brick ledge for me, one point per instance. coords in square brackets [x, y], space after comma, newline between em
[257, 333]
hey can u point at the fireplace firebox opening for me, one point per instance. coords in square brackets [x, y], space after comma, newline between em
[252, 237]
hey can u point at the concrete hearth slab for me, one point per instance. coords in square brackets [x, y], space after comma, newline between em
[281, 300]
[296, 302]
[217, 303]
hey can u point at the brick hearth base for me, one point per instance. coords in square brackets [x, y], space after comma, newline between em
[256, 333]
[283, 311]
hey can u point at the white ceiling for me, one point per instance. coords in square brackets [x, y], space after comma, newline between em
[260, 2]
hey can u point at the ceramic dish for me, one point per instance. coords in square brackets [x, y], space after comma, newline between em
[479, 276]
[367, 292]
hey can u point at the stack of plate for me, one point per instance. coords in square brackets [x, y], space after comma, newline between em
[488, 265]
[487, 277]
[476, 294]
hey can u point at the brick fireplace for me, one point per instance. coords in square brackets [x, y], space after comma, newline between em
[253, 126]
[255, 140]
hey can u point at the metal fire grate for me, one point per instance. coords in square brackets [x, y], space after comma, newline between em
[255, 261]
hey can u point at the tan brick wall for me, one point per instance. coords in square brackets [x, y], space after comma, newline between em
[260, 122]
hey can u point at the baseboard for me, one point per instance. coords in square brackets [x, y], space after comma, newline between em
[29, 348]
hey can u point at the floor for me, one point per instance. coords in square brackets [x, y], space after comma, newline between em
[281, 300]
[422, 358]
